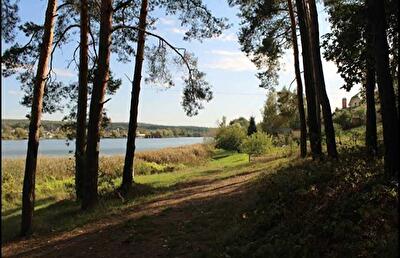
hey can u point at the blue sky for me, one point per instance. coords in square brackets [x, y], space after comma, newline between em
[231, 74]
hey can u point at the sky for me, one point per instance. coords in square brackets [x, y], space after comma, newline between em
[231, 74]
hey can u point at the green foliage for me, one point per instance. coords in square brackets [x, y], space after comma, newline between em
[241, 121]
[346, 43]
[256, 144]
[320, 209]
[350, 117]
[10, 18]
[343, 118]
[230, 137]
[252, 128]
[280, 112]
[264, 35]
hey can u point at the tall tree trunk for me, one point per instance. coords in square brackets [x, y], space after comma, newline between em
[300, 104]
[127, 177]
[371, 132]
[376, 14]
[28, 192]
[319, 79]
[82, 102]
[101, 78]
[312, 116]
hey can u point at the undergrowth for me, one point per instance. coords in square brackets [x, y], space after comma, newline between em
[330, 208]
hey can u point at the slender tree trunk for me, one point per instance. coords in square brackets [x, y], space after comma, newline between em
[371, 132]
[319, 79]
[28, 192]
[376, 14]
[82, 102]
[312, 116]
[101, 78]
[300, 104]
[128, 173]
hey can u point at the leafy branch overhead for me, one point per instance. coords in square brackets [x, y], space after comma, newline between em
[264, 35]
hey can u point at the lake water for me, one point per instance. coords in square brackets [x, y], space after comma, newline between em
[17, 148]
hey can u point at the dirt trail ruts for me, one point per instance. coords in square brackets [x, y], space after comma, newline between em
[109, 237]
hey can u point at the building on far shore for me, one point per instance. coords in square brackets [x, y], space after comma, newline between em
[140, 135]
[355, 101]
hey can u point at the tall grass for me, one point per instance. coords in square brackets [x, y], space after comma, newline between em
[55, 175]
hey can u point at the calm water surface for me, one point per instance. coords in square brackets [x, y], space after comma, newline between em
[17, 148]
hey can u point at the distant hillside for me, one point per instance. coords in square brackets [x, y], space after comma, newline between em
[17, 129]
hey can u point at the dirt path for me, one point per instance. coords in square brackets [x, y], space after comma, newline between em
[180, 225]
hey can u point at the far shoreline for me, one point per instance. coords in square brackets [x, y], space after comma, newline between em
[24, 139]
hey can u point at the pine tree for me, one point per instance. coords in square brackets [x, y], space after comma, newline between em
[252, 126]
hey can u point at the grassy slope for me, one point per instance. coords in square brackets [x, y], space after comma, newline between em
[298, 208]
[321, 209]
[56, 210]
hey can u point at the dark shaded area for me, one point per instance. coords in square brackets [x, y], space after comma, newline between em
[334, 208]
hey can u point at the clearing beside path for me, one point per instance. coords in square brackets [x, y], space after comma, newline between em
[188, 221]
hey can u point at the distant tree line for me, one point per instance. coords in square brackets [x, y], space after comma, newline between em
[18, 129]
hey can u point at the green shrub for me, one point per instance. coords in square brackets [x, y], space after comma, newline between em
[256, 144]
[230, 137]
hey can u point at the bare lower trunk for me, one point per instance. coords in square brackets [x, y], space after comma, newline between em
[127, 177]
[101, 78]
[300, 104]
[320, 81]
[80, 150]
[376, 14]
[371, 133]
[28, 192]
[312, 108]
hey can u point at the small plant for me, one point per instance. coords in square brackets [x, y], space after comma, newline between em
[256, 144]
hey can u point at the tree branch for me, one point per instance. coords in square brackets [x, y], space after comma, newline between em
[57, 42]
[175, 49]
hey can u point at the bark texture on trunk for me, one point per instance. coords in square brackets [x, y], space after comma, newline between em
[376, 14]
[80, 149]
[311, 97]
[127, 177]
[371, 131]
[28, 192]
[319, 79]
[101, 78]
[300, 104]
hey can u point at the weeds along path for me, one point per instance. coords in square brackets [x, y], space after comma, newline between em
[177, 225]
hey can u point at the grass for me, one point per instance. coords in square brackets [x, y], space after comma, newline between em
[342, 208]
[54, 177]
[56, 210]
[296, 208]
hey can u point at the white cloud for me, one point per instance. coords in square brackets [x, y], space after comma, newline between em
[178, 31]
[64, 72]
[167, 21]
[231, 61]
[226, 37]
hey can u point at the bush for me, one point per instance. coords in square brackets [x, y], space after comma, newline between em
[256, 144]
[230, 137]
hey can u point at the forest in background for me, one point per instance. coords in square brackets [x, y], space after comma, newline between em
[15, 129]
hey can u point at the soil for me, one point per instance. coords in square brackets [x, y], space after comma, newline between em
[188, 223]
